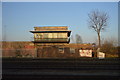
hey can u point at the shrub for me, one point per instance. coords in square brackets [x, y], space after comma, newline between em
[109, 48]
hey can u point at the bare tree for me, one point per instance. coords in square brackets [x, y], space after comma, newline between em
[98, 22]
[72, 39]
[78, 39]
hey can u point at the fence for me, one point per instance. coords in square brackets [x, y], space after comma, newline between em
[47, 52]
[18, 52]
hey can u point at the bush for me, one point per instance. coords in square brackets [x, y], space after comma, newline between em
[109, 48]
[18, 53]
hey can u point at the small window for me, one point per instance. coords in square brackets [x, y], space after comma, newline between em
[61, 50]
[72, 50]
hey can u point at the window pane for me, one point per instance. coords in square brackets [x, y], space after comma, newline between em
[45, 35]
[63, 35]
[54, 35]
[41, 35]
[49, 35]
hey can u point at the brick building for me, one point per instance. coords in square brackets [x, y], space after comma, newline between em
[53, 41]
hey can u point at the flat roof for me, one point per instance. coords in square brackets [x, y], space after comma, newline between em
[50, 28]
[50, 31]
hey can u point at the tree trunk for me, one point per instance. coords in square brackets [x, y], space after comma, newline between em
[99, 41]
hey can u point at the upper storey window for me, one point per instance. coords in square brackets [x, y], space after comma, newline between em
[37, 36]
[50, 35]
[45, 35]
[54, 35]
